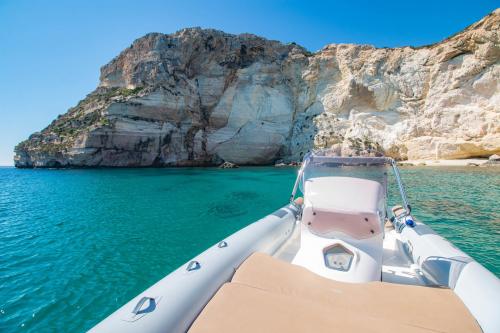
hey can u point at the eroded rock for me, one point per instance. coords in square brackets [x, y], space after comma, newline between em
[228, 165]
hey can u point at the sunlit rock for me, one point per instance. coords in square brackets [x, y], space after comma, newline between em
[200, 97]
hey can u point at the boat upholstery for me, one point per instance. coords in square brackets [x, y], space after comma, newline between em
[270, 295]
[343, 204]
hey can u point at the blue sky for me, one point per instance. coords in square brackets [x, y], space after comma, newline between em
[51, 51]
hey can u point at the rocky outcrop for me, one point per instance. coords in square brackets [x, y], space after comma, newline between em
[200, 97]
[493, 160]
[228, 165]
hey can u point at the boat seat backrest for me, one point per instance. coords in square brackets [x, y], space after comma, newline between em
[326, 222]
[343, 204]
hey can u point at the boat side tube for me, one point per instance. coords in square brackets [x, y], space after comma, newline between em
[443, 264]
[173, 303]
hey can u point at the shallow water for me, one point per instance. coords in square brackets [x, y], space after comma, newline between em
[77, 244]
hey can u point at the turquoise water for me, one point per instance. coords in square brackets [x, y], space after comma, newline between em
[77, 244]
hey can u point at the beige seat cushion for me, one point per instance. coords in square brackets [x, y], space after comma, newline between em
[269, 295]
[239, 308]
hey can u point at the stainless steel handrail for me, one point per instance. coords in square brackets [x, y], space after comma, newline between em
[401, 186]
[305, 161]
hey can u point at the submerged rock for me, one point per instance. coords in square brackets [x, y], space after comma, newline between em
[199, 97]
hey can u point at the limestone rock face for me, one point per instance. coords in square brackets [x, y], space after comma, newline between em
[439, 101]
[201, 97]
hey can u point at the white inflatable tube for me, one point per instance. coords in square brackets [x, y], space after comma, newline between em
[445, 265]
[440, 261]
[479, 289]
[172, 304]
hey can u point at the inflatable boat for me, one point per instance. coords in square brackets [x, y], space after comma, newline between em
[335, 259]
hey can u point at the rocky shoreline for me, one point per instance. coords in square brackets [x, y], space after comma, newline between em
[493, 160]
[200, 97]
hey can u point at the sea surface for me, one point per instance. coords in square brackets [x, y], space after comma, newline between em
[75, 245]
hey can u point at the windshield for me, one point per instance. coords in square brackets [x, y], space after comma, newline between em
[375, 168]
[324, 163]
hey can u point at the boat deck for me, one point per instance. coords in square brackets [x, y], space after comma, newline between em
[397, 266]
[270, 295]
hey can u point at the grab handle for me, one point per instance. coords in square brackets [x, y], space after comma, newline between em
[193, 265]
[141, 302]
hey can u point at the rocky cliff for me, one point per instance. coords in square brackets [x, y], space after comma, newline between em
[198, 97]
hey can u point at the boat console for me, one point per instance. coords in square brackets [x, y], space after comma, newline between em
[342, 228]
[343, 207]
